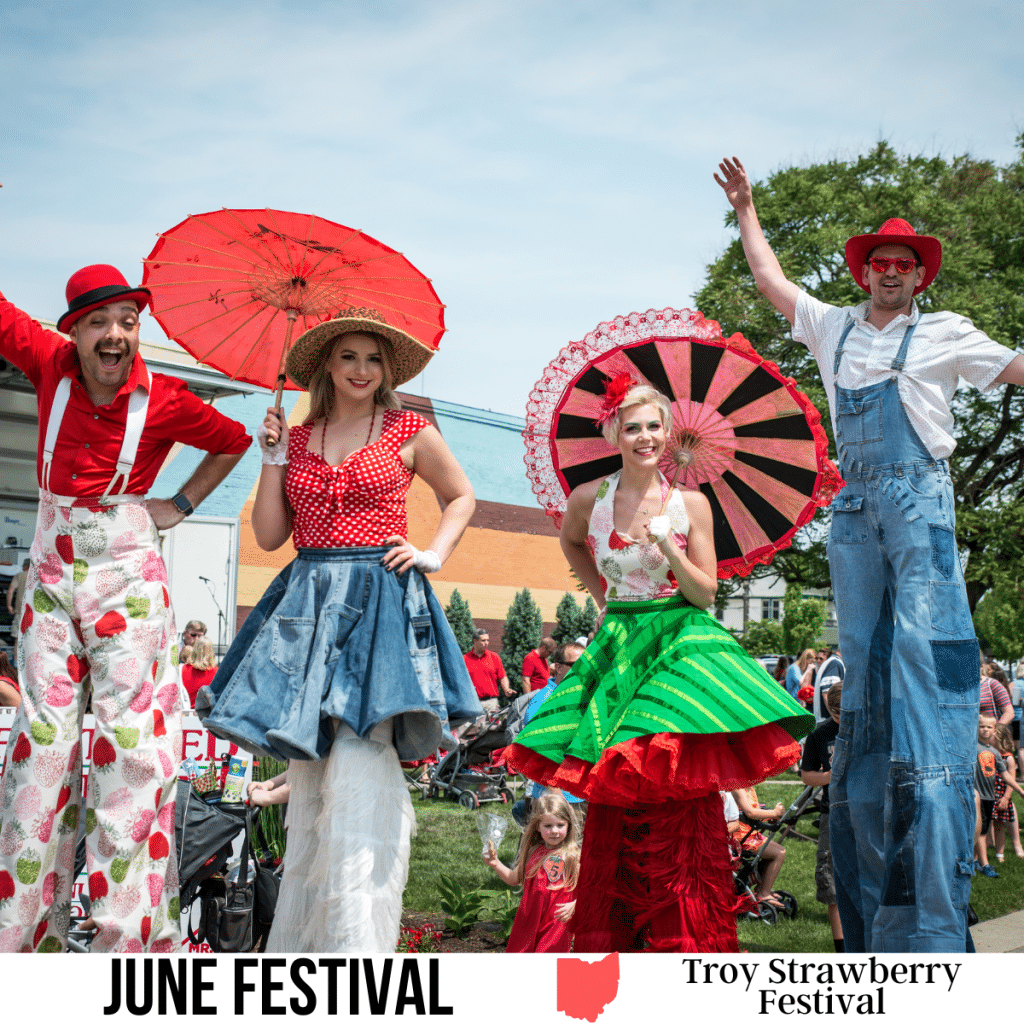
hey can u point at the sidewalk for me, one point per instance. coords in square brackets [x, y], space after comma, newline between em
[1000, 934]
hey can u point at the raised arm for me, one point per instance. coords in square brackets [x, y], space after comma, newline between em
[771, 281]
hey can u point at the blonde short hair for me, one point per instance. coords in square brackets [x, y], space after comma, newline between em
[203, 656]
[321, 386]
[640, 394]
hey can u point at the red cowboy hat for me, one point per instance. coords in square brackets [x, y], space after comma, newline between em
[895, 232]
[95, 286]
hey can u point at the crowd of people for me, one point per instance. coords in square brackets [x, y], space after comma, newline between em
[347, 666]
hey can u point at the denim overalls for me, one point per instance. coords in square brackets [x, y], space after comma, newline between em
[902, 799]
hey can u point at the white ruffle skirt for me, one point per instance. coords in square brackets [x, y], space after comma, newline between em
[350, 823]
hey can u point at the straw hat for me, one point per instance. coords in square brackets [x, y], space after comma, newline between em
[895, 231]
[306, 354]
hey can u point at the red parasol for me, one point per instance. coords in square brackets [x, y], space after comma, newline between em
[760, 453]
[230, 285]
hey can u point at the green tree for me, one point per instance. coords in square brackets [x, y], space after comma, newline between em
[763, 636]
[588, 617]
[523, 626]
[999, 621]
[459, 618]
[976, 209]
[803, 619]
[567, 620]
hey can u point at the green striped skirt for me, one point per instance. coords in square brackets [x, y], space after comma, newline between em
[663, 704]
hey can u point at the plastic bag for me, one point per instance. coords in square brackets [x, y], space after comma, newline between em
[492, 829]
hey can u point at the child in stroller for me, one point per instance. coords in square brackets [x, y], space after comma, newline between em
[756, 862]
[468, 773]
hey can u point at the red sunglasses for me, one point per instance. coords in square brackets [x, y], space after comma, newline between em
[903, 264]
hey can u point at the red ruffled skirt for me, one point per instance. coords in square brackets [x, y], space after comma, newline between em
[665, 766]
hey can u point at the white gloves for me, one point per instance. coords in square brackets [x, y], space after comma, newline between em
[659, 528]
[426, 561]
[276, 456]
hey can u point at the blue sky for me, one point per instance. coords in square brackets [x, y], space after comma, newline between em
[547, 164]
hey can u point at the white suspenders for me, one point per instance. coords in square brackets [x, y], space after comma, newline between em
[138, 404]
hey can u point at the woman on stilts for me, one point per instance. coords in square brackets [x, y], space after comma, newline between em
[347, 665]
[662, 711]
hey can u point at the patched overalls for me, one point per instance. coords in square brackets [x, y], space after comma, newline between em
[902, 801]
[96, 620]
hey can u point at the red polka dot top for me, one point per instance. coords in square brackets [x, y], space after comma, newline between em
[359, 503]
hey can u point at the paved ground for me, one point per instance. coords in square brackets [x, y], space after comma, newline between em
[1000, 934]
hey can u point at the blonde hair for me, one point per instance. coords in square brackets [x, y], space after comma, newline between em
[203, 656]
[805, 659]
[1004, 739]
[185, 655]
[641, 394]
[551, 802]
[321, 385]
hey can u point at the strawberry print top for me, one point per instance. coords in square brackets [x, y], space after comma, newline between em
[633, 570]
[359, 503]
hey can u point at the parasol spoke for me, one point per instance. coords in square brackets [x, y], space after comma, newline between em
[789, 501]
[243, 243]
[786, 451]
[263, 252]
[573, 451]
[756, 386]
[264, 333]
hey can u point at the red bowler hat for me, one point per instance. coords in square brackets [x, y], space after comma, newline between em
[895, 232]
[95, 286]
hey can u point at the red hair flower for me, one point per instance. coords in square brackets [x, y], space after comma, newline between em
[615, 390]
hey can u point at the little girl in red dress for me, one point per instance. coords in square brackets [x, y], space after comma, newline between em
[547, 868]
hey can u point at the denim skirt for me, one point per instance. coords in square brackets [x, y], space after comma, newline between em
[337, 636]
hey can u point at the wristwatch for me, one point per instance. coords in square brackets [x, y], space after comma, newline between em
[182, 504]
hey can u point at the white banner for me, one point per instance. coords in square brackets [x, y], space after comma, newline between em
[612, 989]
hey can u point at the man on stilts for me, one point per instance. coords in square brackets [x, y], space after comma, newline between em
[97, 619]
[902, 807]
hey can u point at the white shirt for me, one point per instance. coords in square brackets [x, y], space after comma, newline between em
[729, 806]
[944, 347]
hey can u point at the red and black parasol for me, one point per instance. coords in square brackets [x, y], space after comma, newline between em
[760, 453]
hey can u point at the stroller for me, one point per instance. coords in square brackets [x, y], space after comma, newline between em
[204, 836]
[467, 773]
[746, 874]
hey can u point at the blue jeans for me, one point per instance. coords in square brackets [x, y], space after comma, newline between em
[902, 803]
[336, 636]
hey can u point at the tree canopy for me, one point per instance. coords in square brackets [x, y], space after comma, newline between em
[803, 620]
[567, 620]
[976, 209]
[461, 620]
[523, 626]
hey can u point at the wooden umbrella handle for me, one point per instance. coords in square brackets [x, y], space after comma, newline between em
[672, 487]
[281, 377]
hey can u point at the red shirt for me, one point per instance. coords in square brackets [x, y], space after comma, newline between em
[359, 503]
[193, 678]
[90, 436]
[485, 673]
[535, 668]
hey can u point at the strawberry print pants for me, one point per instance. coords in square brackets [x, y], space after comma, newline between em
[96, 619]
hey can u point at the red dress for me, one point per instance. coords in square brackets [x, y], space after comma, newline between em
[192, 679]
[535, 929]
